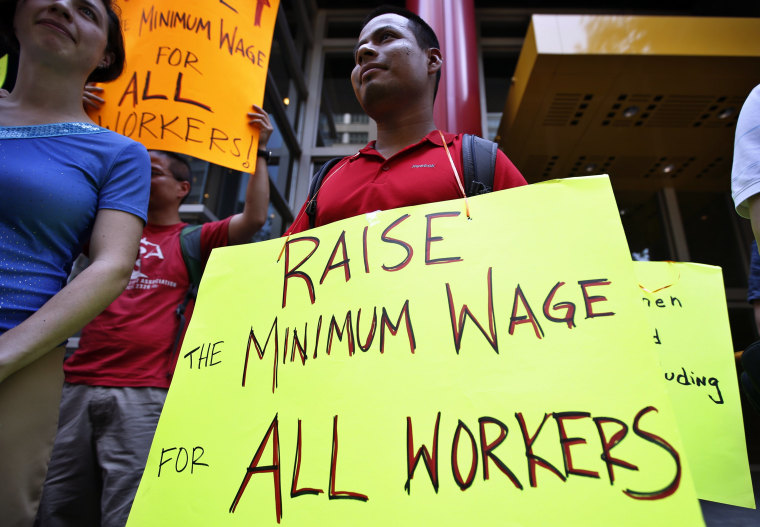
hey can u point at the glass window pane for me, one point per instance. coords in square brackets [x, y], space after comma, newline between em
[743, 328]
[282, 79]
[275, 140]
[278, 70]
[198, 175]
[266, 232]
[643, 225]
[341, 118]
[500, 28]
[290, 7]
[710, 234]
[344, 28]
[498, 67]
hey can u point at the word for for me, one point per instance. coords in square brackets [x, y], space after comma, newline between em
[351, 330]
[206, 355]
[176, 57]
[187, 129]
[492, 433]
[684, 380]
[183, 459]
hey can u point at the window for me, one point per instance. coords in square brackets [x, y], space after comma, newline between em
[339, 105]
[711, 235]
[642, 218]
[358, 138]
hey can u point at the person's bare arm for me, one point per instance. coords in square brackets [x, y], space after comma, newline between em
[244, 225]
[113, 249]
[754, 217]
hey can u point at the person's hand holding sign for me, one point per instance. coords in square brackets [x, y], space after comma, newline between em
[258, 118]
[91, 99]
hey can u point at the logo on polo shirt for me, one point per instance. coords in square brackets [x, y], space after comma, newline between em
[424, 165]
[140, 280]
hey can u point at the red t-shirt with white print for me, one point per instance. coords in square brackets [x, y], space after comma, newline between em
[130, 343]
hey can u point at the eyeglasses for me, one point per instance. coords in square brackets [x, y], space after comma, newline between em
[158, 171]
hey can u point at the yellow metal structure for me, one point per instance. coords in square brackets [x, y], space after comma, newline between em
[652, 101]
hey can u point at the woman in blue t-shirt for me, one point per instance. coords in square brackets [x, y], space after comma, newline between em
[65, 183]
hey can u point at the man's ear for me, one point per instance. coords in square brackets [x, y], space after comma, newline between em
[435, 60]
[184, 188]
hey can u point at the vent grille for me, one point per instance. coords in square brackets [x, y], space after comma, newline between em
[672, 111]
[718, 168]
[567, 109]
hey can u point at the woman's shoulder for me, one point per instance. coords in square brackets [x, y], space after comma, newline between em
[105, 142]
[120, 141]
[73, 130]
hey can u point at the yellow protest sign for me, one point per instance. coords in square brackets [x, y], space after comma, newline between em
[686, 304]
[193, 70]
[415, 367]
[3, 69]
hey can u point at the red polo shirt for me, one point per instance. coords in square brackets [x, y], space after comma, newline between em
[420, 173]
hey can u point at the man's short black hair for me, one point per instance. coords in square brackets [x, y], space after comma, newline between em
[178, 165]
[423, 33]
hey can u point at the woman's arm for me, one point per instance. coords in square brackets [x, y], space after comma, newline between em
[113, 249]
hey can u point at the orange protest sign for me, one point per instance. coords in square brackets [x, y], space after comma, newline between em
[193, 71]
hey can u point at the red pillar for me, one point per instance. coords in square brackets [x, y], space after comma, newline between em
[457, 105]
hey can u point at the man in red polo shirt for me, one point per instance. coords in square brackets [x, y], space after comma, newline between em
[395, 79]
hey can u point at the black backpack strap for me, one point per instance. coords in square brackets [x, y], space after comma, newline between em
[478, 164]
[316, 182]
[190, 245]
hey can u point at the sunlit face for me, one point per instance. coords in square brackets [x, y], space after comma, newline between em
[389, 64]
[69, 33]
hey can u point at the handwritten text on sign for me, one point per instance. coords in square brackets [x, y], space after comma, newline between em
[686, 306]
[193, 71]
[413, 366]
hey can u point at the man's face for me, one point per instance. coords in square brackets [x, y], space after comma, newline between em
[390, 66]
[165, 189]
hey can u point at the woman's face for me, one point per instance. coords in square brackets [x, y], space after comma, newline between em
[72, 33]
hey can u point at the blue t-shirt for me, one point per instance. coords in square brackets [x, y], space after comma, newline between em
[53, 180]
[753, 285]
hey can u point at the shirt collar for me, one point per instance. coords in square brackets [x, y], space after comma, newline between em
[433, 137]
